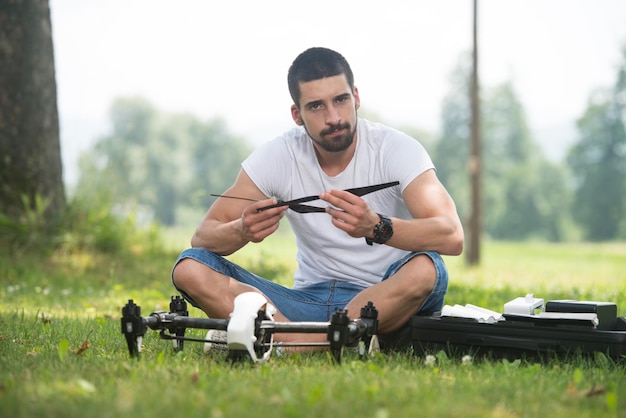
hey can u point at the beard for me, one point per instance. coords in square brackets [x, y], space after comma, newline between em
[336, 143]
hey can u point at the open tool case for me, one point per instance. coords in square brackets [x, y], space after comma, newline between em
[558, 329]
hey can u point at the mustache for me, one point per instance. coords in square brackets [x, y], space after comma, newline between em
[335, 128]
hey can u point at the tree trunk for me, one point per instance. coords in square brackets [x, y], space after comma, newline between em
[30, 154]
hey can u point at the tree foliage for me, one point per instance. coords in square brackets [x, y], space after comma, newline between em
[524, 204]
[156, 163]
[451, 153]
[518, 202]
[598, 162]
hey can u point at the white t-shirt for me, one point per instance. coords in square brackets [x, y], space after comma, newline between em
[286, 168]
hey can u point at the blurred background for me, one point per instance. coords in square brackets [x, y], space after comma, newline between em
[230, 59]
[159, 102]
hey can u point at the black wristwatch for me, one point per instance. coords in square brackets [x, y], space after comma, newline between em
[382, 231]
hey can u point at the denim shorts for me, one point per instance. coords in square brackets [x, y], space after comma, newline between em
[318, 301]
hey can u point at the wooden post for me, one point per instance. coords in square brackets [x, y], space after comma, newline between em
[475, 161]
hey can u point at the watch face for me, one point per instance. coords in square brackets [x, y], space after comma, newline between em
[383, 230]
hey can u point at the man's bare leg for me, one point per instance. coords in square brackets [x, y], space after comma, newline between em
[215, 294]
[399, 297]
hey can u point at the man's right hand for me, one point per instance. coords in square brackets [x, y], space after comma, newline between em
[255, 226]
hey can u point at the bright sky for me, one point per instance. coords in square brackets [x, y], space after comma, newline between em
[230, 58]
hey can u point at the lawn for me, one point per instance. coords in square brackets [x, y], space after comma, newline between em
[62, 353]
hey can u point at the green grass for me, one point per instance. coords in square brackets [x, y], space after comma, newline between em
[49, 308]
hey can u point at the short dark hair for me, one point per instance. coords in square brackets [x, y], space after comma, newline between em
[314, 64]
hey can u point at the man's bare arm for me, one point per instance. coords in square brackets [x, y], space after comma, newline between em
[230, 224]
[435, 224]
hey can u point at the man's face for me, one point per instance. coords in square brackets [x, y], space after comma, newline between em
[328, 112]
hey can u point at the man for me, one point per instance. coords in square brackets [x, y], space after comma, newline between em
[382, 247]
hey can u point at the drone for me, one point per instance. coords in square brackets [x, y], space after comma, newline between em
[251, 328]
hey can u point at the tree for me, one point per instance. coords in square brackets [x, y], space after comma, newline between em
[510, 181]
[155, 163]
[523, 194]
[215, 157]
[598, 161]
[30, 155]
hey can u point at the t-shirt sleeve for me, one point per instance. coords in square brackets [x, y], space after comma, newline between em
[268, 167]
[406, 160]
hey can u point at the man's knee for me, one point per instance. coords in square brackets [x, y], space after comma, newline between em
[189, 275]
[185, 273]
[422, 275]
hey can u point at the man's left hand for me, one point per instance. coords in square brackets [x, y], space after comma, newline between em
[350, 213]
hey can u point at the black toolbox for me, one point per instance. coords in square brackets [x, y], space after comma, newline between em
[515, 337]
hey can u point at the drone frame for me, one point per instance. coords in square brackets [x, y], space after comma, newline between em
[341, 331]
